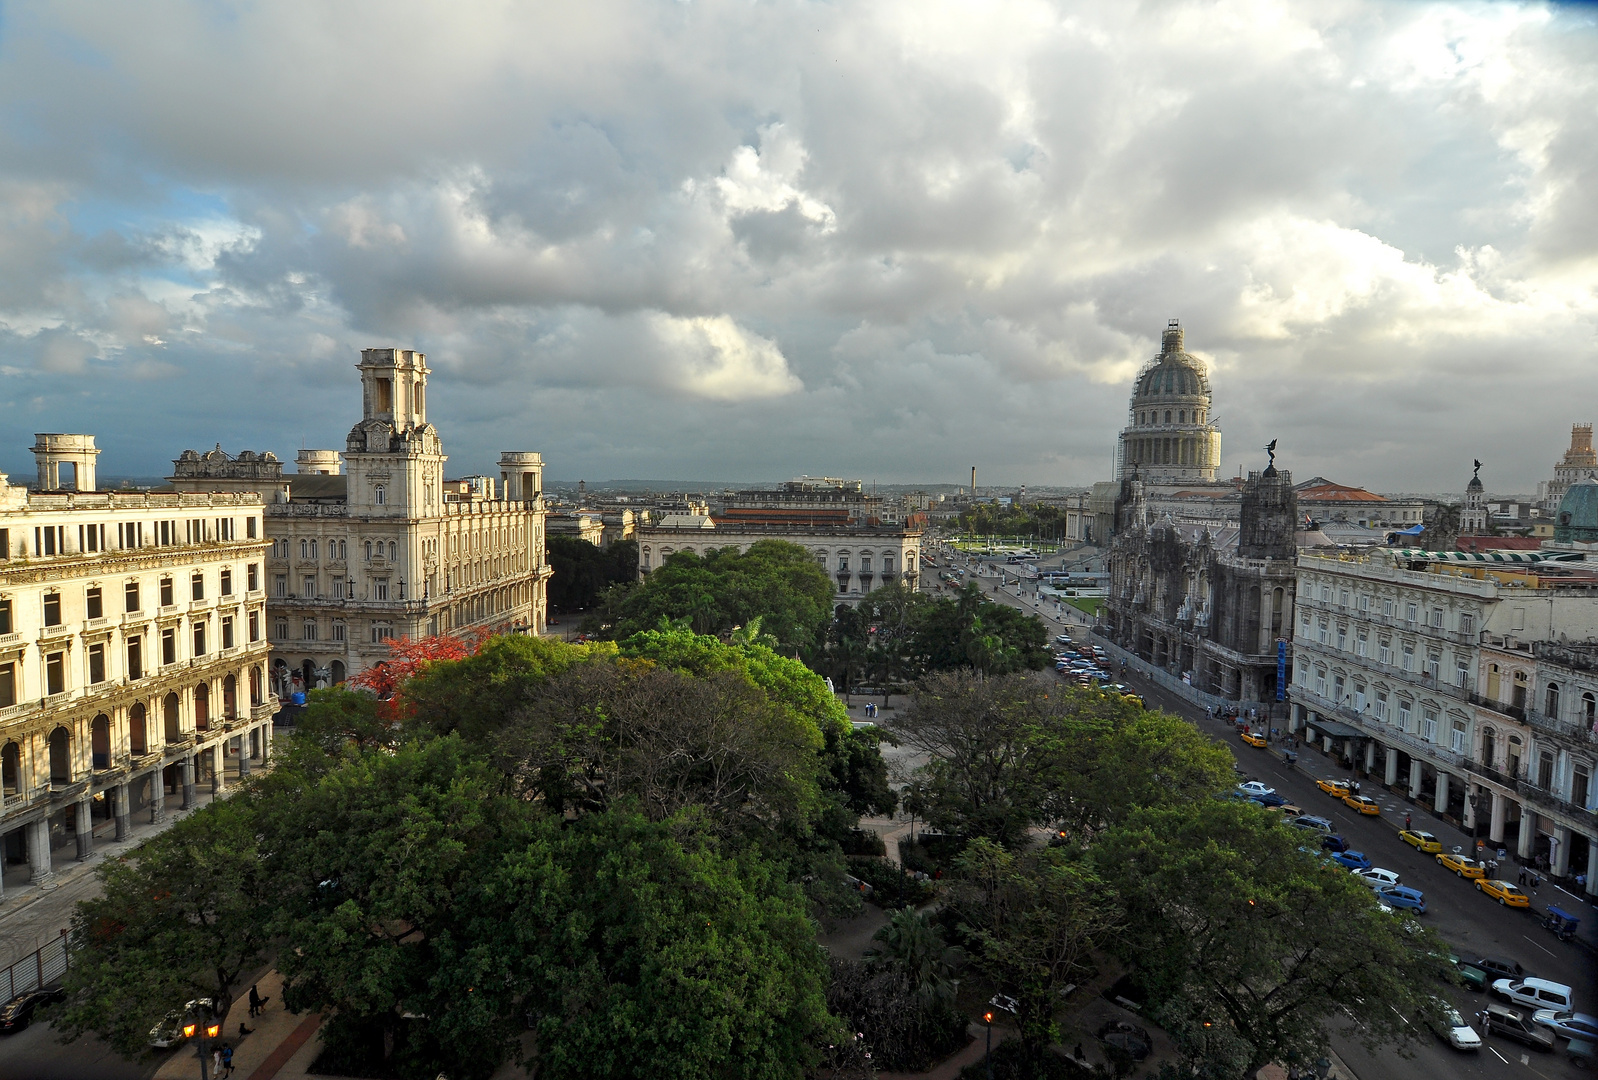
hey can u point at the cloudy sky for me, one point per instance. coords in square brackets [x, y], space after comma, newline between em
[744, 240]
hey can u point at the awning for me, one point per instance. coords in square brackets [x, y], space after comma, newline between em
[1335, 729]
[1490, 556]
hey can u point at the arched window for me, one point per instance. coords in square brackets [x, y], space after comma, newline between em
[100, 741]
[1589, 709]
[393, 551]
[169, 717]
[380, 495]
[255, 686]
[137, 741]
[11, 768]
[60, 756]
[1551, 701]
[368, 551]
[230, 696]
[202, 707]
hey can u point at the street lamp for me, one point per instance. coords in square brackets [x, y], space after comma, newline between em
[200, 1026]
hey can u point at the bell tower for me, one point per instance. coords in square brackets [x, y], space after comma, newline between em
[394, 457]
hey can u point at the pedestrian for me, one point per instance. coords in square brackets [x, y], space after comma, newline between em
[1356, 788]
[1406, 821]
[227, 1060]
[255, 1002]
[1521, 879]
[216, 1061]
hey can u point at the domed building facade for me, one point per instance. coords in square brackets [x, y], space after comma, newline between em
[1577, 520]
[1170, 437]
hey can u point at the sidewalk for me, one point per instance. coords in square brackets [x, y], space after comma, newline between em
[280, 1044]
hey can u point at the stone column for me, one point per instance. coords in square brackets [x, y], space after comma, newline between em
[1326, 743]
[1414, 778]
[157, 796]
[1390, 777]
[266, 742]
[186, 773]
[1528, 832]
[84, 822]
[120, 808]
[1495, 828]
[1440, 803]
[244, 754]
[1561, 865]
[218, 768]
[39, 852]
[1592, 866]
[1370, 756]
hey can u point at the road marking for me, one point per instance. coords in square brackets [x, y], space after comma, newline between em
[1550, 952]
[1499, 1056]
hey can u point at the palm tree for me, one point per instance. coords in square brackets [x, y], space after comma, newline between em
[913, 944]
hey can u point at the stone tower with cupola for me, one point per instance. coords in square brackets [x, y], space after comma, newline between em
[1473, 514]
[393, 456]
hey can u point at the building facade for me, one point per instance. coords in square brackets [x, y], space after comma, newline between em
[386, 547]
[859, 558]
[1424, 672]
[1210, 607]
[1579, 463]
[132, 651]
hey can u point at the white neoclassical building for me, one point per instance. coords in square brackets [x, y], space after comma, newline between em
[858, 558]
[132, 651]
[374, 543]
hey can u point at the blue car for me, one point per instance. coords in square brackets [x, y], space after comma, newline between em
[1353, 860]
[1572, 1025]
[1334, 843]
[1403, 898]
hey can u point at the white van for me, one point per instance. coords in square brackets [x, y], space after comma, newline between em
[1535, 993]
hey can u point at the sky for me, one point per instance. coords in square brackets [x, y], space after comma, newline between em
[753, 240]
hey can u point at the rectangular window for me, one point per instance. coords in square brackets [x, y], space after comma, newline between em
[1321, 631]
[1456, 741]
[167, 598]
[308, 631]
[1409, 657]
[1342, 638]
[1381, 707]
[135, 659]
[52, 609]
[1434, 665]
[1337, 689]
[1364, 603]
[1384, 651]
[381, 633]
[338, 631]
[1320, 683]
[169, 646]
[94, 603]
[1411, 612]
[1461, 673]
[199, 639]
[255, 626]
[1387, 608]
[1467, 623]
[130, 596]
[249, 528]
[1359, 697]
[227, 582]
[252, 577]
[55, 673]
[8, 685]
[96, 663]
[227, 631]
[1429, 725]
[1403, 715]
[280, 629]
[163, 533]
[197, 587]
[1437, 617]
[310, 587]
[280, 584]
[1363, 645]
[5, 616]
[381, 586]
[5, 543]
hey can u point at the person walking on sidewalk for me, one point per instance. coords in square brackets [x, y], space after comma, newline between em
[227, 1060]
[1406, 821]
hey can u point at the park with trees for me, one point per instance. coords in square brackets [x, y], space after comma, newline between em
[613, 859]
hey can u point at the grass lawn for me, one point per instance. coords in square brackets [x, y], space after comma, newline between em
[1089, 604]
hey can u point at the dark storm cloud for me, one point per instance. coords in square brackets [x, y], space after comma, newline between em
[890, 240]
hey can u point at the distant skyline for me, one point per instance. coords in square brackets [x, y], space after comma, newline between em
[884, 240]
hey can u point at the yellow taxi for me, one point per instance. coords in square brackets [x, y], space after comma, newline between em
[1337, 789]
[1363, 803]
[1425, 841]
[1461, 865]
[1504, 892]
[1253, 739]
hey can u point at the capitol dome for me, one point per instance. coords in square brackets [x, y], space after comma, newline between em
[1577, 521]
[1170, 437]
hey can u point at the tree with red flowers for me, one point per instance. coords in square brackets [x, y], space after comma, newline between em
[407, 658]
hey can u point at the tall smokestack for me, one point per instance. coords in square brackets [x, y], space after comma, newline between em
[973, 481]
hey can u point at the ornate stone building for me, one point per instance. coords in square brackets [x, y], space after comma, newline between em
[1473, 512]
[380, 550]
[1169, 437]
[1209, 607]
[132, 651]
[1579, 463]
[858, 557]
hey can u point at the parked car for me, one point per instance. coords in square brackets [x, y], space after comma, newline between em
[1351, 860]
[1335, 788]
[1333, 843]
[1377, 878]
[1572, 1025]
[1403, 898]
[1254, 787]
[1468, 975]
[1127, 1036]
[1499, 969]
[17, 1013]
[1535, 993]
[170, 1030]
[1509, 1023]
[1453, 1030]
[1461, 865]
[1424, 841]
[1506, 893]
[1313, 824]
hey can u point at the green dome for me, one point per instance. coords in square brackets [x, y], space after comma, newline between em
[1578, 514]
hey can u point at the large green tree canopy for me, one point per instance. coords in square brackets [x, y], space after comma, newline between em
[774, 581]
[583, 571]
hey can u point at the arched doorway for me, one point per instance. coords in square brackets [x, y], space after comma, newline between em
[60, 756]
[136, 733]
[337, 668]
[230, 696]
[100, 741]
[169, 714]
[308, 675]
[11, 768]
[202, 707]
[255, 686]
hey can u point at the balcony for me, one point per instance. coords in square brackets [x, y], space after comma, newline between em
[1569, 729]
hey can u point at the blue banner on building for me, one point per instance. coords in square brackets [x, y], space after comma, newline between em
[1281, 670]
